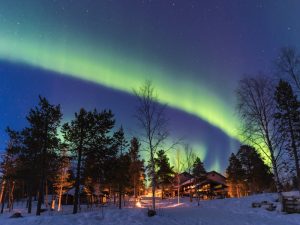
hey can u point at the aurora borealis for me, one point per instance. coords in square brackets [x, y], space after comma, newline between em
[93, 53]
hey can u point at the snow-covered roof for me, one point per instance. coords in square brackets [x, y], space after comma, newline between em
[190, 181]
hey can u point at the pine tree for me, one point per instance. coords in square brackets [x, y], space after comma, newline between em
[86, 137]
[199, 174]
[101, 154]
[247, 172]
[257, 173]
[235, 176]
[122, 165]
[164, 171]
[136, 169]
[28, 161]
[198, 170]
[44, 121]
[288, 115]
[77, 133]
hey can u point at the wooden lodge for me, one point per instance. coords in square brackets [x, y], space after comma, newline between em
[84, 198]
[210, 187]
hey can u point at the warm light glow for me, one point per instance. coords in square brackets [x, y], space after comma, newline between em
[138, 204]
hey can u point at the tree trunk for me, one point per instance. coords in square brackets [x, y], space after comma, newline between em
[295, 153]
[153, 180]
[43, 175]
[59, 197]
[53, 203]
[120, 197]
[134, 187]
[40, 197]
[29, 200]
[11, 197]
[8, 189]
[3, 201]
[153, 195]
[46, 191]
[2, 191]
[67, 196]
[277, 182]
[77, 182]
[274, 165]
[178, 189]
[276, 178]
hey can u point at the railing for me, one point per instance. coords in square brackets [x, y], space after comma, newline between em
[291, 204]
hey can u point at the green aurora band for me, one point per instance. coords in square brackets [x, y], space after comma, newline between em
[104, 66]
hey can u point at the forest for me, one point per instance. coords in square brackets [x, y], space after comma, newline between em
[93, 161]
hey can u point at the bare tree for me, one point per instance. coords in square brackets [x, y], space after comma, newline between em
[190, 158]
[178, 170]
[256, 107]
[151, 118]
[288, 65]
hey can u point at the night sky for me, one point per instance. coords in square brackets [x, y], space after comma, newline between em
[92, 53]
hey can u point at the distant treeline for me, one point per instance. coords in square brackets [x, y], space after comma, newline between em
[48, 158]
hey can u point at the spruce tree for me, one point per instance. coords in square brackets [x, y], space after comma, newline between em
[199, 174]
[288, 116]
[257, 173]
[247, 172]
[198, 170]
[164, 171]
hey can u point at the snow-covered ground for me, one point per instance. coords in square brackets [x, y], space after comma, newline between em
[215, 212]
